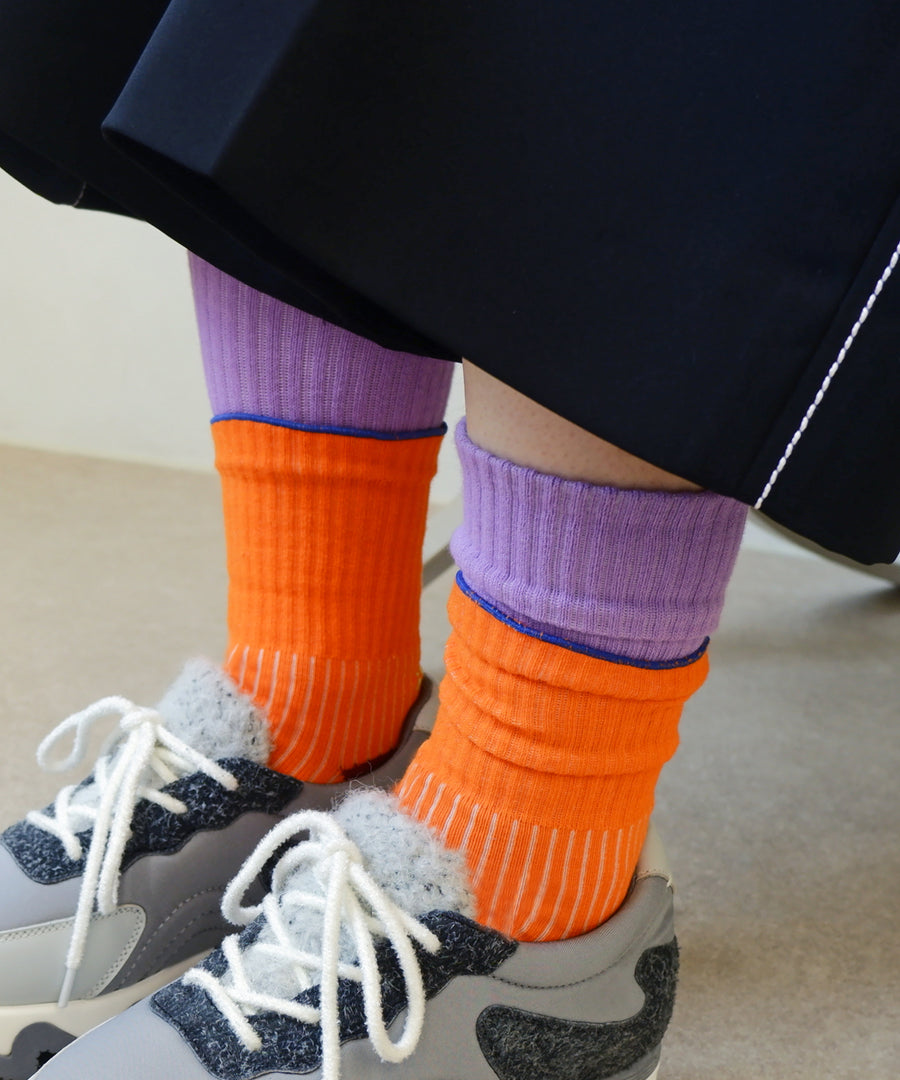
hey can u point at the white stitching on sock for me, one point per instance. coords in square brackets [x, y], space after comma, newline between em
[600, 869]
[368, 694]
[545, 880]
[473, 817]
[826, 382]
[581, 880]
[299, 722]
[336, 719]
[446, 829]
[504, 869]
[351, 704]
[613, 879]
[526, 871]
[290, 694]
[434, 804]
[314, 742]
[260, 660]
[275, 664]
[426, 785]
[485, 851]
[567, 860]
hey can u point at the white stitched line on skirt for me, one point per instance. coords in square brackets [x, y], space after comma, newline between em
[832, 371]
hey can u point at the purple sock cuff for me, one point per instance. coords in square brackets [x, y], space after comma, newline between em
[639, 574]
[585, 650]
[264, 358]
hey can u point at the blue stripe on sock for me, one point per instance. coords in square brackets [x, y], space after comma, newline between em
[656, 665]
[327, 429]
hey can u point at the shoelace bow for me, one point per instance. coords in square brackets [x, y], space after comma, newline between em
[350, 899]
[139, 758]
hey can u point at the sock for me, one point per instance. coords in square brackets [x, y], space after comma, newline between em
[546, 751]
[536, 771]
[326, 445]
[265, 359]
[639, 574]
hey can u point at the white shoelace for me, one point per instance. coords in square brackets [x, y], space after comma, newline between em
[350, 900]
[139, 758]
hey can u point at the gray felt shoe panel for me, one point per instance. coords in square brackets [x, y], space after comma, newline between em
[518, 1043]
[154, 829]
[496, 1011]
[174, 870]
[177, 890]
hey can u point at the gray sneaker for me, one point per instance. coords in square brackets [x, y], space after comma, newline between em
[116, 889]
[362, 962]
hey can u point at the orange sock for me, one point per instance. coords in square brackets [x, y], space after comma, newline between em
[541, 768]
[324, 539]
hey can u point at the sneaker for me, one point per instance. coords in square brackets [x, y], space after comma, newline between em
[116, 889]
[363, 962]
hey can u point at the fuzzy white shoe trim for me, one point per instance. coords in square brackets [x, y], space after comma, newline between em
[205, 709]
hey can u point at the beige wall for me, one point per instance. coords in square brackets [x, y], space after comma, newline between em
[98, 350]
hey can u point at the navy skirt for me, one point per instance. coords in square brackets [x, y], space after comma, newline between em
[674, 224]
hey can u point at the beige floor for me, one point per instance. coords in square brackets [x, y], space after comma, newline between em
[781, 810]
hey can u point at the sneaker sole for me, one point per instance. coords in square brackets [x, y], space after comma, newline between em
[31, 1034]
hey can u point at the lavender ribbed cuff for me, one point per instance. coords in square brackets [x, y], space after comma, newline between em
[640, 574]
[264, 358]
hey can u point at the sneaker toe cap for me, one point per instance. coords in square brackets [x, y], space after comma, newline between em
[137, 1044]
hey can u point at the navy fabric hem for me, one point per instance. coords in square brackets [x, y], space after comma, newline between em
[328, 429]
[573, 646]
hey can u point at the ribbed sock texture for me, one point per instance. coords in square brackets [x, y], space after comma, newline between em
[640, 574]
[324, 518]
[324, 538]
[541, 769]
[264, 358]
[579, 624]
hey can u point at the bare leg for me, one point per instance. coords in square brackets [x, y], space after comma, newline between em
[512, 426]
